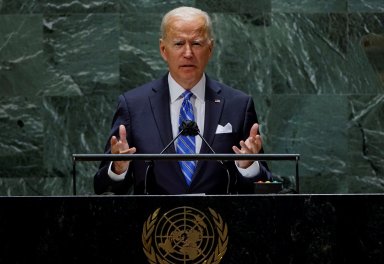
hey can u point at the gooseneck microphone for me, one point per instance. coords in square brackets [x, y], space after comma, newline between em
[192, 129]
[187, 128]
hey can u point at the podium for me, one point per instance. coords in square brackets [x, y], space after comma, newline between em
[247, 229]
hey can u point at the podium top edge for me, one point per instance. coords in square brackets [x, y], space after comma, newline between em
[151, 157]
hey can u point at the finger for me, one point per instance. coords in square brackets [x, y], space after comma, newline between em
[123, 134]
[113, 141]
[254, 144]
[114, 145]
[236, 150]
[258, 140]
[254, 130]
[244, 147]
[128, 151]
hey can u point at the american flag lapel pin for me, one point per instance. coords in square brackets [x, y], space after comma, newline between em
[217, 100]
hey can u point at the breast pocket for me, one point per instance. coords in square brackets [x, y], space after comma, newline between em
[223, 142]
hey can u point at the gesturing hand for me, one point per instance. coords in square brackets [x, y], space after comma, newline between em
[252, 145]
[121, 146]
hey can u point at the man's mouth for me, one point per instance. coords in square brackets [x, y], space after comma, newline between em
[187, 66]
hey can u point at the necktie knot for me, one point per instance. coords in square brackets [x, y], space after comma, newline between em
[186, 110]
[187, 95]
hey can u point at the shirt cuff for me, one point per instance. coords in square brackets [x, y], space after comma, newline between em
[114, 176]
[251, 171]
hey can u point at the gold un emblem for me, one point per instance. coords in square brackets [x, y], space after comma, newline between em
[184, 235]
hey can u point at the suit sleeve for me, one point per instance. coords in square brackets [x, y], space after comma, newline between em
[102, 182]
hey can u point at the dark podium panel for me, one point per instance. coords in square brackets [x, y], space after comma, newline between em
[248, 229]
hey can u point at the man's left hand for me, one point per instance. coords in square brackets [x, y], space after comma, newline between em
[252, 145]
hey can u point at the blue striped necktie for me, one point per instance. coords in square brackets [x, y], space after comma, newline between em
[186, 144]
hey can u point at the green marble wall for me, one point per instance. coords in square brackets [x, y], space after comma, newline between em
[315, 69]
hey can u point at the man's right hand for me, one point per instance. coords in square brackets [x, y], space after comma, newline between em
[121, 147]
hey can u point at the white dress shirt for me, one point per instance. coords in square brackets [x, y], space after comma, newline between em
[197, 101]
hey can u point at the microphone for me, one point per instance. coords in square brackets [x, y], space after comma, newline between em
[187, 128]
[191, 129]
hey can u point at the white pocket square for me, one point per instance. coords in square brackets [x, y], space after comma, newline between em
[224, 129]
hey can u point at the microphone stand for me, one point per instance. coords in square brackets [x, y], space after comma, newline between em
[150, 163]
[187, 128]
[190, 128]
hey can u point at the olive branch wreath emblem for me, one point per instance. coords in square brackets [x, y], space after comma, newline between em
[214, 258]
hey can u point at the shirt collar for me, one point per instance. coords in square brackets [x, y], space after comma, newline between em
[176, 89]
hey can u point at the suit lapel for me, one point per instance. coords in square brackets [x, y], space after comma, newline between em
[159, 102]
[214, 104]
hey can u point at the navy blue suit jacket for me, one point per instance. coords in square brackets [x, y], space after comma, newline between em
[145, 112]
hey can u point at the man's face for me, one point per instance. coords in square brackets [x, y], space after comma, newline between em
[187, 49]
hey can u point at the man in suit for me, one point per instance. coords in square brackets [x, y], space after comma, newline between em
[148, 118]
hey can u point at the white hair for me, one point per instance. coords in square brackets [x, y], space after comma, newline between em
[186, 12]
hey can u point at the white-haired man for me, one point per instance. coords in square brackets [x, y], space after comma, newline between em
[149, 117]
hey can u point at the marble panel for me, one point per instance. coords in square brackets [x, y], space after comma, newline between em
[239, 6]
[309, 53]
[263, 108]
[314, 126]
[366, 52]
[82, 6]
[76, 125]
[58, 6]
[82, 54]
[21, 137]
[21, 55]
[366, 138]
[20, 7]
[139, 54]
[365, 6]
[152, 6]
[35, 186]
[309, 6]
[241, 56]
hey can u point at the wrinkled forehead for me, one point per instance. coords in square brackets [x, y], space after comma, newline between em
[193, 26]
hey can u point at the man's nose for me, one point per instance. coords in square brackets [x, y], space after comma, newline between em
[188, 51]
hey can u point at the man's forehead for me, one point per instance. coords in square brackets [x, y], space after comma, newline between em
[190, 28]
[198, 33]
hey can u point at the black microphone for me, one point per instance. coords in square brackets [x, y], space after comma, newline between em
[191, 129]
[187, 128]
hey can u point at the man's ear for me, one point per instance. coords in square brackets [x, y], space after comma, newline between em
[211, 44]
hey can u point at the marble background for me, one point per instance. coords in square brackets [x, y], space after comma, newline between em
[314, 68]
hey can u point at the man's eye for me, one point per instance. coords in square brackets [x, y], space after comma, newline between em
[196, 43]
